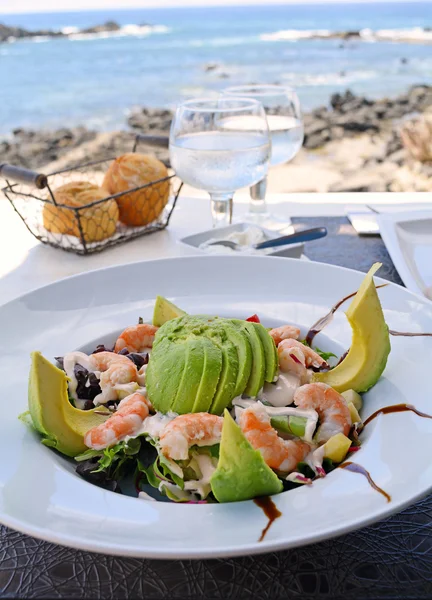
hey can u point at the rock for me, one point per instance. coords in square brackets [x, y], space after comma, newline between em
[351, 122]
[151, 119]
[399, 157]
[350, 34]
[317, 140]
[108, 26]
[394, 143]
[210, 67]
[337, 100]
[8, 33]
[373, 179]
[33, 149]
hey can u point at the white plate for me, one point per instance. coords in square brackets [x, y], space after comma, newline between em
[41, 495]
[195, 240]
[408, 238]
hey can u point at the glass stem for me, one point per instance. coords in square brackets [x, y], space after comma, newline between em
[258, 203]
[222, 209]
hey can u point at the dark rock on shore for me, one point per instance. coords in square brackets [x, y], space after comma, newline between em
[352, 114]
[151, 119]
[33, 149]
[8, 33]
[108, 26]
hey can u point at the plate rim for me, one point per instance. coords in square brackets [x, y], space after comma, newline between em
[246, 549]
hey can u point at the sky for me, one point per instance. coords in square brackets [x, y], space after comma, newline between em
[17, 6]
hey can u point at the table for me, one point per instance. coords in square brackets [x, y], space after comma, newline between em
[391, 559]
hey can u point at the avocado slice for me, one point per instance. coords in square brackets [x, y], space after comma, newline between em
[370, 346]
[257, 375]
[271, 357]
[212, 368]
[241, 473]
[225, 391]
[62, 425]
[165, 371]
[201, 373]
[244, 350]
[164, 311]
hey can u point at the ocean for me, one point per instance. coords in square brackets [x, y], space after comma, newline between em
[97, 80]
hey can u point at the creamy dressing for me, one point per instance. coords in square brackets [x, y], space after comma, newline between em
[245, 239]
[154, 424]
[282, 392]
[207, 468]
[315, 460]
[141, 375]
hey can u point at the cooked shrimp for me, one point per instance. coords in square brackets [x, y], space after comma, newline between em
[331, 407]
[185, 431]
[282, 455]
[136, 338]
[285, 332]
[127, 420]
[115, 370]
[295, 357]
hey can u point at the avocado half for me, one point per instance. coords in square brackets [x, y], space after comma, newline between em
[241, 473]
[370, 346]
[61, 425]
[200, 363]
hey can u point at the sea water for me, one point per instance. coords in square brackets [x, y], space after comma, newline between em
[96, 80]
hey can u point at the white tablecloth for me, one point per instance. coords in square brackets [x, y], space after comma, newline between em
[26, 264]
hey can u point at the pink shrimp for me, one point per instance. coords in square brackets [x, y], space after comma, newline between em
[282, 455]
[331, 407]
[285, 332]
[295, 357]
[116, 370]
[136, 338]
[127, 420]
[197, 429]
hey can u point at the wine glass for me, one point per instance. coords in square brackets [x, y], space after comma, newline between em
[220, 145]
[285, 122]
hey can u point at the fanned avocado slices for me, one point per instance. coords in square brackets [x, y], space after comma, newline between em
[209, 361]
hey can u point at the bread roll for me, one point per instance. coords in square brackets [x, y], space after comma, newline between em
[97, 222]
[133, 170]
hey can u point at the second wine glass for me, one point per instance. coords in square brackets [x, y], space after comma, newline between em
[285, 122]
[220, 145]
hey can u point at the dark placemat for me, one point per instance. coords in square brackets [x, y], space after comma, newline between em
[391, 559]
[343, 247]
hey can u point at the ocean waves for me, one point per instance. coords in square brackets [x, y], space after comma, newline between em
[414, 35]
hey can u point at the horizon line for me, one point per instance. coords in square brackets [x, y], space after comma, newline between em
[220, 5]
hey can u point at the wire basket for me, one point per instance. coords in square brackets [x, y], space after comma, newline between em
[94, 226]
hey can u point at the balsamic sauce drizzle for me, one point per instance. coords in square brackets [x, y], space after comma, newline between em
[270, 510]
[395, 408]
[355, 468]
